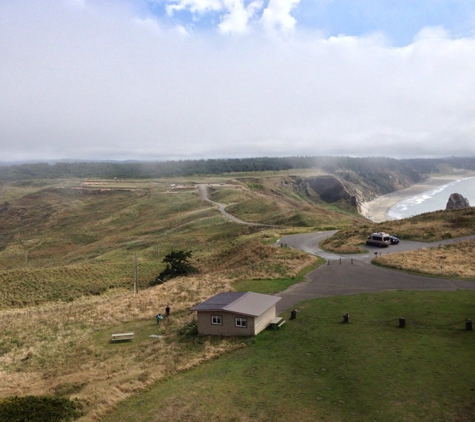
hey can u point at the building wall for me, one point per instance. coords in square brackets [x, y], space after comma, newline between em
[227, 329]
[262, 321]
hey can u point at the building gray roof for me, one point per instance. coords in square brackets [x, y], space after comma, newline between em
[245, 303]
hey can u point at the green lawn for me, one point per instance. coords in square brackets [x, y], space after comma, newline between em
[317, 368]
[271, 286]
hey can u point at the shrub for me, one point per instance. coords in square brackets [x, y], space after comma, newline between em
[177, 265]
[39, 409]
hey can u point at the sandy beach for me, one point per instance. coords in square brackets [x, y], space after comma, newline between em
[377, 209]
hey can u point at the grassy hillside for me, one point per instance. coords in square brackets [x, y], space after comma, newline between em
[67, 256]
[85, 234]
[67, 269]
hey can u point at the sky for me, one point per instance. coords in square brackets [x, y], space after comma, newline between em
[192, 79]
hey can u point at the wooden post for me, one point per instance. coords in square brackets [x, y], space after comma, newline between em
[402, 322]
[468, 324]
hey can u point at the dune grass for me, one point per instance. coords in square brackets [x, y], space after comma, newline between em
[318, 368]
[452, 260]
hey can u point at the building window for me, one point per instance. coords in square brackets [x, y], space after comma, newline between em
[216, 319]
[241, 322]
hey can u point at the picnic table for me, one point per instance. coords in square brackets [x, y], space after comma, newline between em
[277, 322]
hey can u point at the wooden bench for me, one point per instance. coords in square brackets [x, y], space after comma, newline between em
[122, 337]
[277, 322]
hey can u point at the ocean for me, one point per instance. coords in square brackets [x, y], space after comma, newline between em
[433, 200]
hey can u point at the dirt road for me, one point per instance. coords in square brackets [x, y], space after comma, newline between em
[222, 208]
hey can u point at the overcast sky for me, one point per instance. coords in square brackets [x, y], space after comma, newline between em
[189, 79]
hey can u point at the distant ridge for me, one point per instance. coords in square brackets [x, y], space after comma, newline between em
[367, 167]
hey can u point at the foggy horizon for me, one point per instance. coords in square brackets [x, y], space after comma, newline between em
[146, 80]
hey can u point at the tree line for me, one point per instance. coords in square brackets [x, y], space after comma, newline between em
[146, 170]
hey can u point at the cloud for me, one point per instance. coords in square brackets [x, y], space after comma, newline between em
[236, 21]
[94, 83]
[277, 15]
[194, 6]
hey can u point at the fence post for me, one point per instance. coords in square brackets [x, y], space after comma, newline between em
[402, 322]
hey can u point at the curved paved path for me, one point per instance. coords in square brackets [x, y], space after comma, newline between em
[355, 274]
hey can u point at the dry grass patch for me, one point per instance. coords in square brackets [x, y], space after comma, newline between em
[428, 227]
[453, 260]
[65, 347]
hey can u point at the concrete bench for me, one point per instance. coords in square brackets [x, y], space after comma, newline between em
[122, 337]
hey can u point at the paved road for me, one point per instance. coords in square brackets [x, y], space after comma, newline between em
[355, 274]
[350, 274]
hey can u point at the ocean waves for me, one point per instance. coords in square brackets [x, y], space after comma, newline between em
[433, 199]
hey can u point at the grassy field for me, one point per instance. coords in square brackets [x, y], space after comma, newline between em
[317, 368]
[67, 257]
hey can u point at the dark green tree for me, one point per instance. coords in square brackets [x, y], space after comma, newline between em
[177, 265]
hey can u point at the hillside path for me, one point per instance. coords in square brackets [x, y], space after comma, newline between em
[222, 208]
[355, 274]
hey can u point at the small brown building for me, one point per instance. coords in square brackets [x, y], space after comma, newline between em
[236, 314]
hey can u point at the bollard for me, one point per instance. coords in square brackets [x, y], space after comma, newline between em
[351, 261]
[402, 322]
[346, 318]
[340, 261]
[468, 324]
[328, 262]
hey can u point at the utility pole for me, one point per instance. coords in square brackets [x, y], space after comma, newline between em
[136, 282]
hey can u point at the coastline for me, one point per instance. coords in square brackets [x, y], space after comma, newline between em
[377, 209]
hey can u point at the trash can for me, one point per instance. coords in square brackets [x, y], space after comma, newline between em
[293, 314]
